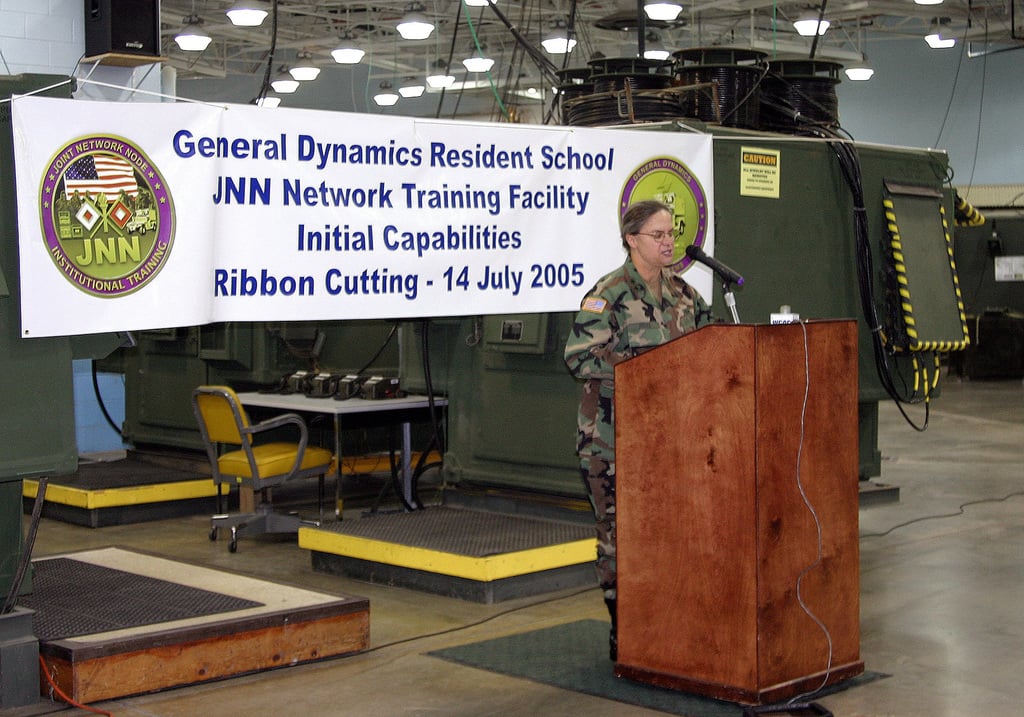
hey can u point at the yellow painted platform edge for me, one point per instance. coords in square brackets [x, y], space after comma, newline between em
[117, 497]
[481, 569]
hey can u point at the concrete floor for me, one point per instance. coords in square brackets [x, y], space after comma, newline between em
[942, 579]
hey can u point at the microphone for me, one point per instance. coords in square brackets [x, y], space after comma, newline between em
[697, 254]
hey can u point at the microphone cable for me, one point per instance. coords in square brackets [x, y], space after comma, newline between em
[817, 526]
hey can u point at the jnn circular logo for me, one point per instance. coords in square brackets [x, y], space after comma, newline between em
[107, 215]
[668, 180]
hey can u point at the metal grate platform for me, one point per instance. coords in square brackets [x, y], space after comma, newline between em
[464, 532]
[470, 554]
[71, 597]
[122, 492]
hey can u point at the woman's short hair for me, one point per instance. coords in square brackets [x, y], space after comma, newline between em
[637, 215]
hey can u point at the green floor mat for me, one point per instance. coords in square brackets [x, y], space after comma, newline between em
[574, 657]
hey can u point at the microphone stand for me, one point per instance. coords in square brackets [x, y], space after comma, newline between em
[730, 300]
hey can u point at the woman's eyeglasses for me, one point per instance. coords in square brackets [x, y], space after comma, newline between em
[660, 236]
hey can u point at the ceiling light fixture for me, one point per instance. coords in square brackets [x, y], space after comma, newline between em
[938, 42]
[558, 41]
[269, 102]
[477, 60]
[859, 71]
[935, 38]
[411, 88]
[305, 71]
[191, 38]
[928, 2]
[478, 63]
[284, 84]
[415, 25]
[387, 95]
[439, 77]
[808, 25]
[480, 3]
[654, 49]
[247, 13]
[664, 10]
[347, 53]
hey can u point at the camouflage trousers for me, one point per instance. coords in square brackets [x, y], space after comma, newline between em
[599, 481]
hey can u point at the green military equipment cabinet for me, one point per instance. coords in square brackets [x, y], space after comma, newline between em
[38, 424]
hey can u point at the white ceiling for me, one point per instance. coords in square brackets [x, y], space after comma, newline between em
[603, 26]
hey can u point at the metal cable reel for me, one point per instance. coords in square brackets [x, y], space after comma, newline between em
[729, 79]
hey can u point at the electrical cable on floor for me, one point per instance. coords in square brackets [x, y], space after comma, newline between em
[484, 621]
[55, 689]
[817, 525]
[960, 511]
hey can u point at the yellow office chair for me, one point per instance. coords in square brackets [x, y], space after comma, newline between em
[223, 423]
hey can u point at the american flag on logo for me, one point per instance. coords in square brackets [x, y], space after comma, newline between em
[104, 174]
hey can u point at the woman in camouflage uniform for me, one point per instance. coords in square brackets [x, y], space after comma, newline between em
[640, 305]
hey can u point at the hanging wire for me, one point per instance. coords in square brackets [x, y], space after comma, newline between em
[265, 86]
[476, 43]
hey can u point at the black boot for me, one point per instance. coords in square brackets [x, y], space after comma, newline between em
[613, 636]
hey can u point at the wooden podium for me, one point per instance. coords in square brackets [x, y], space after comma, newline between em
[715, 450]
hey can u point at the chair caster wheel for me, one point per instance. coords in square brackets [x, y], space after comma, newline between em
[233, 546]
[213, 533]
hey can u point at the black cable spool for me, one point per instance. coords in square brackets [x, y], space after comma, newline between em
[574, 82]
[624, 91]
[735, 74]
[799, 93]
[620, 108]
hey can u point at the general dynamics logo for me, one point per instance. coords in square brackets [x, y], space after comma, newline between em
[670, 181]
[108, 219]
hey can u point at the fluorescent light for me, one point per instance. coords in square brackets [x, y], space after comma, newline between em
[411, 88]
[556, 44]
[305, 71]
[347, 55]
[807, 25]
[859, 72]
[284, 84]
[440, 80]
[387, 95]
[195, 41]
[480, 3]
[415, 26]
[936, 41]
[928, 2]
[247, 14]
[191, 38]
[662, 10]
[478, 63]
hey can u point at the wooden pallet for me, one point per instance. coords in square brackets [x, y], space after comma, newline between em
[293, 626]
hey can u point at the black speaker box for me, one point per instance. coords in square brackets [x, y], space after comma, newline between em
[126, 27]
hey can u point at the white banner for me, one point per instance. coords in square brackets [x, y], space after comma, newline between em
[136, 216]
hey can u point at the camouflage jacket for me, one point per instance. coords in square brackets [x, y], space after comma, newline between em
[618, 319]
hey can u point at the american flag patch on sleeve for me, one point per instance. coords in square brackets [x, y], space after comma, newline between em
[594, 304]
